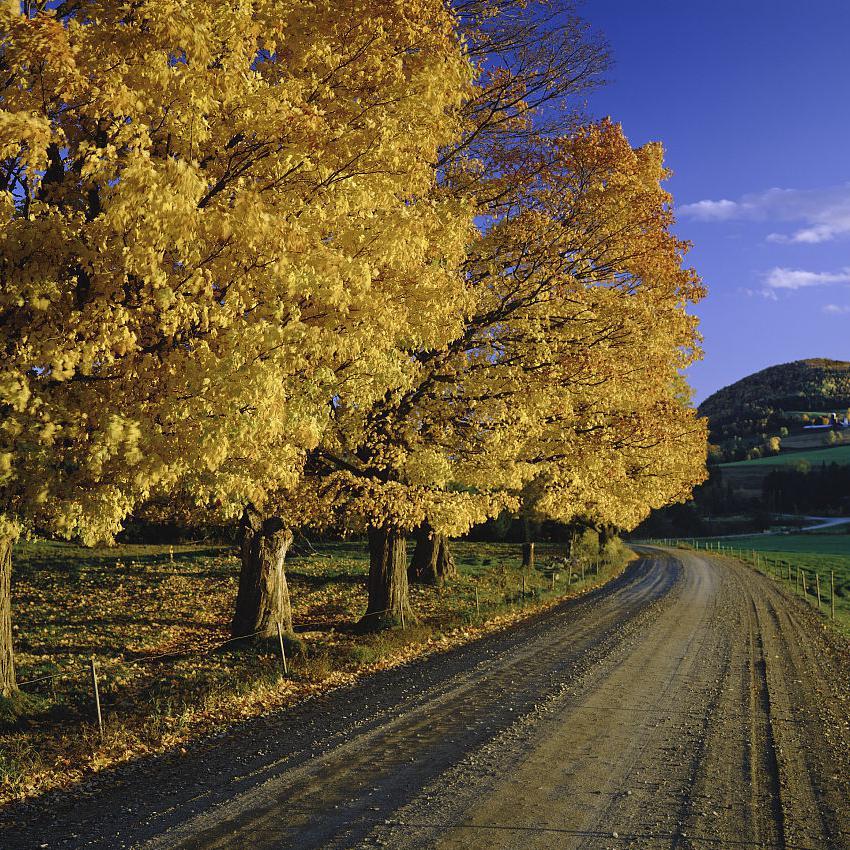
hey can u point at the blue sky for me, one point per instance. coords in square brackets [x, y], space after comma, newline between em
[752, 101]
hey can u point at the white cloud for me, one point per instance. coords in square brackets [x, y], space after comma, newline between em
[836, 309]
[826, 232]
[820, 215]
[784, 278]
[711, 210]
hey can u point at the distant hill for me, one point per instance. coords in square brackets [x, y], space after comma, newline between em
[779, 397]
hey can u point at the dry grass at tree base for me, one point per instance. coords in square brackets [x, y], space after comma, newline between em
[130, 604]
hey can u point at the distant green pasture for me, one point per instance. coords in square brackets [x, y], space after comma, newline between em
[838, 454]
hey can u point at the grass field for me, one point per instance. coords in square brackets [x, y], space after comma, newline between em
[837, 454]
[812, 440]
[813, 553]
[748, 475]
[153, 618]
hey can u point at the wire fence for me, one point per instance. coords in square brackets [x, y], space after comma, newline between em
[95, 667]
[192, 650]
[813, 585]
[566, 572]
[145, 659]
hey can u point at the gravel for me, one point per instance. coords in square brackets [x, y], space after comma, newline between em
[687, 704]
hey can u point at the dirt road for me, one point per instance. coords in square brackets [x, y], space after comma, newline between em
[689, 704]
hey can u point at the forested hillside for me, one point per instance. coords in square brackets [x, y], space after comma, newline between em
[785, 396]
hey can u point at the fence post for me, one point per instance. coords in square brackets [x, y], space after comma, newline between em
[805, 589]
[282, 650]
[817, 585]
[832, 591]
[523, 588]
[96, 696]
[477, 605]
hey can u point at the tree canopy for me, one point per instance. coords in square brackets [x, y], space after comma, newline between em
[216, 215]
[354, 263]
[563, 384]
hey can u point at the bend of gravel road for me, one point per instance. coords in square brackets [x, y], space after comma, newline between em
[687, 704]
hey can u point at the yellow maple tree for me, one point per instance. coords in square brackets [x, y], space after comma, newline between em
[215, 216]
[574, 334]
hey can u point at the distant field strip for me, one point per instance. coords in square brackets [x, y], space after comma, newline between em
[839, 454]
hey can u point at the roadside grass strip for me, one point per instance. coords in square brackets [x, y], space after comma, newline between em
[155, 619]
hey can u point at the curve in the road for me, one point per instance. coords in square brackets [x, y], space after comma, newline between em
[687, 704]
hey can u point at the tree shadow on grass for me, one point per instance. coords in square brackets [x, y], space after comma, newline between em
[313, 580]
[63, 557]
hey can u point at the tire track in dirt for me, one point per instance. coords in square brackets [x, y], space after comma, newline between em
[755, 774]
[358, 782]
[811, 806]
[791, 703]
[764, 753]
[620, 728]
[394, 732]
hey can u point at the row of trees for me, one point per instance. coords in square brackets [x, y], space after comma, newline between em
[802, 487]
[358, 265]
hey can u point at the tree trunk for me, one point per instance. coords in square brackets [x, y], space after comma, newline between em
[432, 561]
[528, 555]
[388, 600]
[606, 534]
[263, 598]
[8, 685]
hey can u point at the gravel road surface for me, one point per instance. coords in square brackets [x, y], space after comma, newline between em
[687, 704]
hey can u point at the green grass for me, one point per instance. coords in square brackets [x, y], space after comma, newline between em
[838, 454]
[797, 544]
